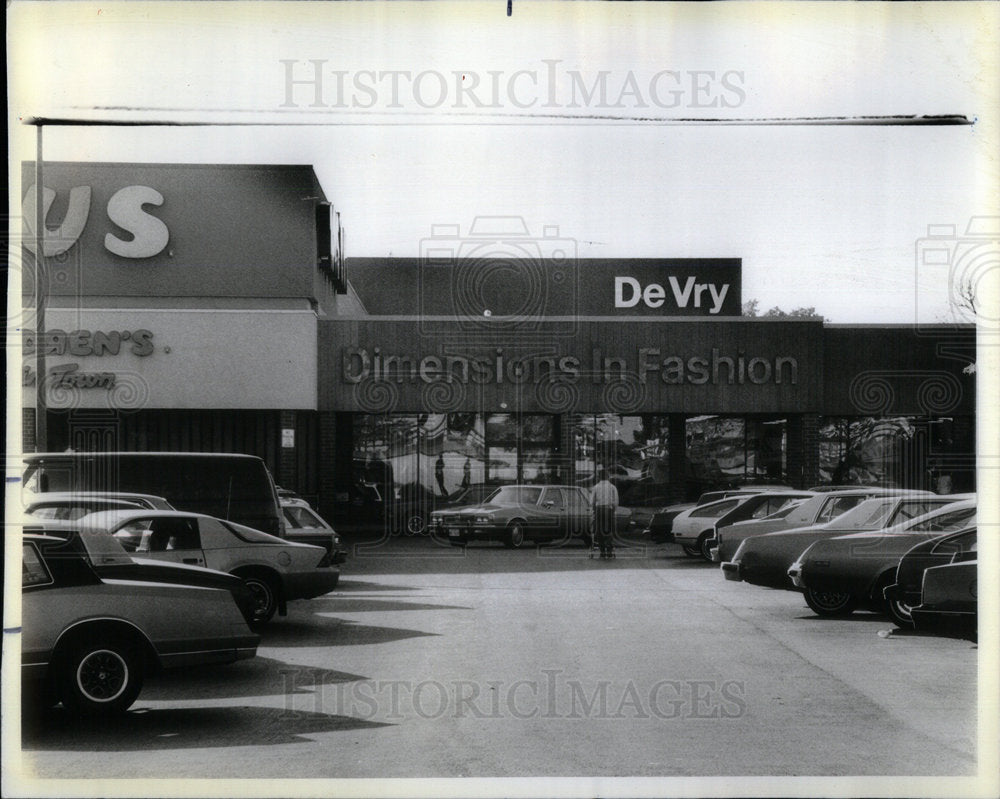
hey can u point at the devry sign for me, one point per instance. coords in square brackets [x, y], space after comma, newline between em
[714, 367]
[629, 292]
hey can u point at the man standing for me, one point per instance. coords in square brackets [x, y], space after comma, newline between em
[604, 500]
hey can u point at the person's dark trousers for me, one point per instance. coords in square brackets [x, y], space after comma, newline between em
[604, 521]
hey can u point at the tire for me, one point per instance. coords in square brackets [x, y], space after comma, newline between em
[415, 525]
[101, 678]
[899, 612]
[829, 603]
[691, 550]
[265, 594]
[703, 548]
[515, 536]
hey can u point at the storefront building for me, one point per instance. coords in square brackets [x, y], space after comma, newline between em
[209, 308]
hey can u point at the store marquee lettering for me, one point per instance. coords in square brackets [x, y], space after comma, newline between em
[83, 343]
[629, 293]
[149, 234]
[361, 364]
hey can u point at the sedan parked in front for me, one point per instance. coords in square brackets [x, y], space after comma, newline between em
[765, 559]
[304, 525]
[518, 513]
[838, 574]
[905, 592]
[275, 570]
[89, 640]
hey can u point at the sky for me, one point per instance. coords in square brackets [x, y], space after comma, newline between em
[567, 116]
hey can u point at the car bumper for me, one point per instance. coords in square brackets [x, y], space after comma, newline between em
[731, 571]
[896, 593]
[306, 585]
[953, 624]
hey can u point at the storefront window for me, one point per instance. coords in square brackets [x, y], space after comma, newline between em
[632, 450]
[522, 448]
[729, 450]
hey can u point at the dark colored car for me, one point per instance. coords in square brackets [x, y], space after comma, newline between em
[516, 513]
[949, 601]
[89, 638]
[838, 574]
[765, 559]
[905, 593]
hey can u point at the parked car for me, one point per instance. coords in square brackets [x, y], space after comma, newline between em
[905, 592]
[838, 574]
[304, 525]
[660, 526]
[694, 529]
[949, 601]
[820, 509]
[89, 640]
[516, 513]
[276, 570]
[765, 559]
[66, 508]
[68, 504]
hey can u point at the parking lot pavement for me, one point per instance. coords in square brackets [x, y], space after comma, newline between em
[484, 662]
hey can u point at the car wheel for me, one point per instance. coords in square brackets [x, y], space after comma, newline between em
[692, 550]
[900, 614]
[830, 603]
[101, 678]
[415, 525]
[515, 536]
[265, 596]
[704, 549]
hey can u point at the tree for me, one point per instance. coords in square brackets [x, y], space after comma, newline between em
[752, 308]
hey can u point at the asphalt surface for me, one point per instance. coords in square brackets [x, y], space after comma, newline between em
[432, 661]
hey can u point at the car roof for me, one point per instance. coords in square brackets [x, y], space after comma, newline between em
[32, 456]
[46, 495]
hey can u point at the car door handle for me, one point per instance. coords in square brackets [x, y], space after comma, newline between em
[190, 560]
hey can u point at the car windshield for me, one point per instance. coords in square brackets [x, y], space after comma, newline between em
[515, 495]
[299, 516]
[870, 514]
[943, 522]
[103, 548]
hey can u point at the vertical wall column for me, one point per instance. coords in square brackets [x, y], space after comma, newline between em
[803, 449]
[28, 430]
[677, 456]
[287, 476]
[327, 462]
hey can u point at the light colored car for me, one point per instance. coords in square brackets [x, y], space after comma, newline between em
[694, 529]
[75, 504]
[89, 640]
[304, 525]
[276, 570]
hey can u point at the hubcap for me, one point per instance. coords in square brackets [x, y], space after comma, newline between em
[830, 600]
[261, 597]
[102, 676]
